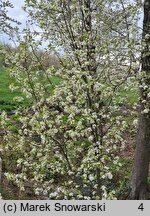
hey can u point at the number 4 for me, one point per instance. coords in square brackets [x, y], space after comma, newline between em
[141, 207]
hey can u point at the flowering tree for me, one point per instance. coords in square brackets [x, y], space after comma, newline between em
[67, 142]
[5, 20]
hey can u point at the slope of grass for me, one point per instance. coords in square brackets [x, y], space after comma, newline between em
[6, 96]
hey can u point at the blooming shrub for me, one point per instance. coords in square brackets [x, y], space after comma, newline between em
[67, 142]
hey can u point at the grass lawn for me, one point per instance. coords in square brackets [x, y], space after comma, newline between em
[131, 95]
[6, 95]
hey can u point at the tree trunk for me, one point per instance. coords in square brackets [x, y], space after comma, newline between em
[139, 186]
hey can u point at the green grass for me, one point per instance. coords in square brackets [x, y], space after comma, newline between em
[6, 96]
[131, 95]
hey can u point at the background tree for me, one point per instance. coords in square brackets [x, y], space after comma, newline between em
[139, 186]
